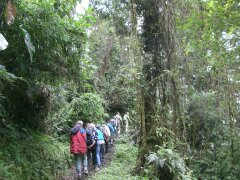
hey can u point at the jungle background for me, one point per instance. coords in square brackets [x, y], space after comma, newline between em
[173, 64]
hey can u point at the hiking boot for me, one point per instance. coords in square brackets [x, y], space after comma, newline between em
[85, 172]
[96, 168]
[79, 176]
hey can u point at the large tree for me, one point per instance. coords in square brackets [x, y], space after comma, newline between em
[160, 89]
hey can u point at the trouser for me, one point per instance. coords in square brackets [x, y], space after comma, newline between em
[99, 153]
[92, 153]
[126, 127]
[114, 136]
[80, 160]
[102, 151]
[106, 145]
[118, 129]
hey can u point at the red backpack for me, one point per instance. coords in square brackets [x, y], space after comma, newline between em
[78, 142]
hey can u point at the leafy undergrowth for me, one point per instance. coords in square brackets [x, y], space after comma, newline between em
[123, 163]
[31, 155]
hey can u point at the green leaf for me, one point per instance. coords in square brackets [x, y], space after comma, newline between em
[28, 42]
[3, 43]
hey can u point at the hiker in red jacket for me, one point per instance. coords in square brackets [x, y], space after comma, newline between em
[78, 147]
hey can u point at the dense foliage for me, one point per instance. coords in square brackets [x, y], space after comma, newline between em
[199, 85]
[211, 58]
[174, 65]
[88, 107]
[26, 154]
[42, 71]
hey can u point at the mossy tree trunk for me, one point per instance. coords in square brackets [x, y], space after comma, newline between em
[160, 88]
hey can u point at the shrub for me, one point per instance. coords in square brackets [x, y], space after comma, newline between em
[167, 163]
[88, 108]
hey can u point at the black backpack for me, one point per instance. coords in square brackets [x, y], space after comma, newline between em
[89, 138]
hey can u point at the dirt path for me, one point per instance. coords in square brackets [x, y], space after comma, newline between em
[72, 175]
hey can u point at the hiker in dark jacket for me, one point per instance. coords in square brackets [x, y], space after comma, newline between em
[91, 144]
[78, 147]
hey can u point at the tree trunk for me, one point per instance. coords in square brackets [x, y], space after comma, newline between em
[138, 82]
[158, 69]
[106, 58]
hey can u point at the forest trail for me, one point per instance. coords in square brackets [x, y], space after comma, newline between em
[72, 174]
[119, 163]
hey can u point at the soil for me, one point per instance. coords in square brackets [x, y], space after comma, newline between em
[72, 174]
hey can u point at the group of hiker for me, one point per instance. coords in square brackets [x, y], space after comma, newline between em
[90, 142]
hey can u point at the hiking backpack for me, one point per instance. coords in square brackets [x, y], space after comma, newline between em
[89, 137]
[78, 142]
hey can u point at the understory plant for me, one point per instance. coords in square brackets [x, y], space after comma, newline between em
[88, 107]
[169, 161]
[26, 154]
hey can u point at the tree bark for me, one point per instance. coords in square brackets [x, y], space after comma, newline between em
[158, 70]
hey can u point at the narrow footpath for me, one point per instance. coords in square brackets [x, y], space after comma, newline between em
[119, 163]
